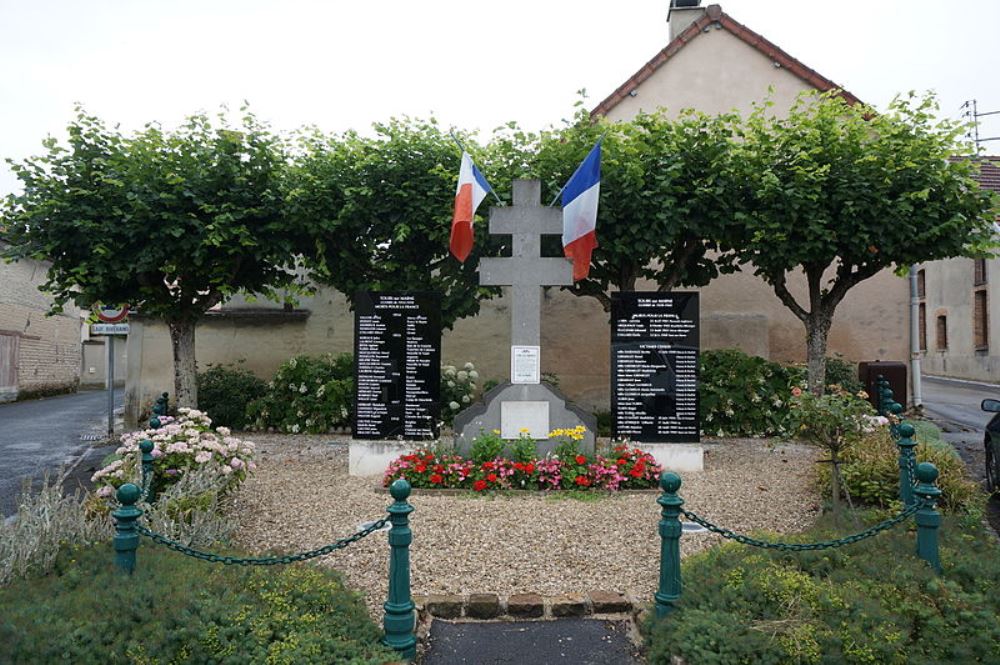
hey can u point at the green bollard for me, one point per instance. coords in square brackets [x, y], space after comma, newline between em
[154, 423]
[895, 409]
[126, 537]
[146, 449]
[928, 518]
[670, 545]
[907, 457]
[881, 385]
[400, 617]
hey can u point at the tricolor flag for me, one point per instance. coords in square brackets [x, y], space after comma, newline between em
[579, 204]
[472, 189]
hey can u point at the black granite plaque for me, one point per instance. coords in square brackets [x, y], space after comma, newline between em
[654, 366]
[397, 365]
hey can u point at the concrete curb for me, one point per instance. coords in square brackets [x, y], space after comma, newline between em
[490, 606]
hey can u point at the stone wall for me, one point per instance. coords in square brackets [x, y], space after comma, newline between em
[48, 347]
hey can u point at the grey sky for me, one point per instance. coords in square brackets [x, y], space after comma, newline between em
[473, 64]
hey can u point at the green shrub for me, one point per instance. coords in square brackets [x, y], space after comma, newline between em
[843, 373]
[175, 609]
[870, 472]
[309, 394]
[486, 447]
[603, 417]
[743, 395]
[458, 390]
[523, 448]
[224, 392]
[871, 602]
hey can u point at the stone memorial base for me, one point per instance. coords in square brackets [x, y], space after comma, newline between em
[537, 407]
[676, 456]
[371, 457]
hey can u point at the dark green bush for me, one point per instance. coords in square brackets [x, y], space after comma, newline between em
[871, 602]
[176, 609]
[743, 395]
[843, 373]
[224, 392]
[309, 394]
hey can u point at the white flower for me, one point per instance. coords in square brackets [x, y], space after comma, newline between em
[451, 384]
[473, 374]
[463, 376]
[453, 406]
[469, 366]
[223, 431]
[465, 399]
[226, 470]
[203, 457]
[294, 428]
[303, 389]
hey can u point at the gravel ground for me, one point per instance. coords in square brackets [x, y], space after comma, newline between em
[302, 498]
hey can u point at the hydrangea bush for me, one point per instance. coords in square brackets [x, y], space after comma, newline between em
[627, 468]
[458, 389]
[309, 394]
[180, 445]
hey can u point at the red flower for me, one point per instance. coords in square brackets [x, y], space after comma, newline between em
[518, 466]
[479, 485]
[429, 458]
[439, 468]
[487, 466]
[636, 472]
[437, 478]
[529, 468]
[420, 468]
[580, 459]
[582, 481]
[492, 477]
[621, 461]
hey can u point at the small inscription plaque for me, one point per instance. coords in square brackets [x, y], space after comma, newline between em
[397, 365]
[525, 364]
[654, 366]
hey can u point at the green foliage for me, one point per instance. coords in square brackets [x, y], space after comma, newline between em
[486, 447]
[458, 390]
[224, 392]
[842, 192]
[743, 395]
[673, 174]
[869, 470]
[523, 449]
[379, 212]
[309, 394]
[843, 373]
[175, 609]
[872, 602]
[603, 417]
[195, 213]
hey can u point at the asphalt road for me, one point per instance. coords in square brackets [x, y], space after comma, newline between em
[46, 435]
[954, 406]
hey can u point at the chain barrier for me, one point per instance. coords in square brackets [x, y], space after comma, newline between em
[805, 547]
[260, 561]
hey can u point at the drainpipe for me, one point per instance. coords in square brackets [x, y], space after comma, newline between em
[915, 338]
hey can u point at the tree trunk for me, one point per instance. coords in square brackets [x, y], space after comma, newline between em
[185, 369]
[817, 330]
[835, 483]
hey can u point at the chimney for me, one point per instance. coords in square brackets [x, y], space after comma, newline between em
[682, 14]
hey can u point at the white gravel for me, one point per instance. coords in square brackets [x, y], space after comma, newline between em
[302, 498]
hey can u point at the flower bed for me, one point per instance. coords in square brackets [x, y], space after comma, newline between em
[179, 445]
[627, 468]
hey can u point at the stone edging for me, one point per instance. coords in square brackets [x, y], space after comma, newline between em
[485, 606]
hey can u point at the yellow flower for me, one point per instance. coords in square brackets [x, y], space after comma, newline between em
[496, 431]
[524, 430]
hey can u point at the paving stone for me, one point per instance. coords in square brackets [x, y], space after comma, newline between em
[608, 602]
[569, 605]
[445, 607]
[525, 605]
[483, 606]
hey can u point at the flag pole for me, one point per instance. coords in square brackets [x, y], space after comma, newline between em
[462, 148]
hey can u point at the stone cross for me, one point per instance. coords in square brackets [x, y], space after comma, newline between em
[526, 271]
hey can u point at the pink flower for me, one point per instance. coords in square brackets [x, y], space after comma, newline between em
[236, 463]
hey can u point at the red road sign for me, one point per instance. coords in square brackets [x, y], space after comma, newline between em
[112, 313]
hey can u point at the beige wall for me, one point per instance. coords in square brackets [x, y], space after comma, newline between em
[94, 372]
[949, 291]
[49, 346]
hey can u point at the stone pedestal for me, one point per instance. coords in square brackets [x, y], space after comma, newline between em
[371, 457]
[536, 406]
[679, 457]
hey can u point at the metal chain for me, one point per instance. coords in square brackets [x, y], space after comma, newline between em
[911, 465]
[261, 561]
[804, 547]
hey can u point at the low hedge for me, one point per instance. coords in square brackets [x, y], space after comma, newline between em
[175, 609]
[872, 602]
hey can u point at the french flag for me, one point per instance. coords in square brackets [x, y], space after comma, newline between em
[579, 204]
[472, 189]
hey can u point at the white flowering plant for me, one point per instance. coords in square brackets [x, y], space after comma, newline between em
[459, 386]
[180, 445]
[308, 395]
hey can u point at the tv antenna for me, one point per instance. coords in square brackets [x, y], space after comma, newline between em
[971, 112]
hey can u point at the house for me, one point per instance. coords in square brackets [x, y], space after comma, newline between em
[711, 63]
[39, 354]
[959, 330]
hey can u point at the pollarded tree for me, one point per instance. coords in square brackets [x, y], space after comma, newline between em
[668, 192]
[841, 192]
[172, 222]
[378, 209]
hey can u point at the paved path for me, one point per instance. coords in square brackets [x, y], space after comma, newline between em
[569, 641]
[45, 435]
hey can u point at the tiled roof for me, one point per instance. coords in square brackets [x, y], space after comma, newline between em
[989, 173]
[715, 16]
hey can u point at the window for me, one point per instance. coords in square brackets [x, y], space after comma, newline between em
[923, 327]
[942, 333]
[921, 284]
[980, 322]
[978, 272]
